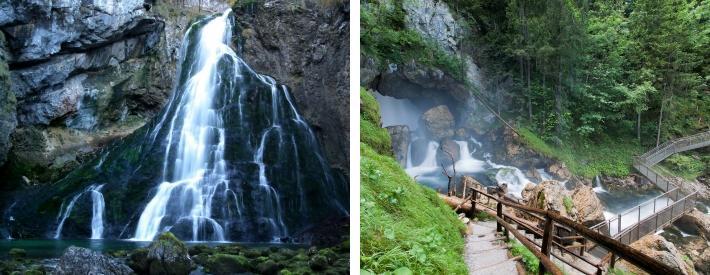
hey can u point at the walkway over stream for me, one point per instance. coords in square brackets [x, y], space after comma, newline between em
[563, 244]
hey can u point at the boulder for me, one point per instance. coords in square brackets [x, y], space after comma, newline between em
[400, 142]
[696, 222]
[631, 182]
[659, 248]
[223, 264]
[559, 170]
[77, 260]
[439, 122]
[168, 255]
[527, 191]
[448, 150]
[588, 206]
[549, 195]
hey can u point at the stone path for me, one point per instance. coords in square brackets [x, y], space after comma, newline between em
[485, 253]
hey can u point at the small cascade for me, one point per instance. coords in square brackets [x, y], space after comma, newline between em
[598, 188]
[544, 175]
[428, 165]
[97, 218]
[64, 215]
[475, 141]
[512, 176]
[466, 162]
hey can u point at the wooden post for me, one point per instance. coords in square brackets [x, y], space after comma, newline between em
[613, 261]
[546, 241]
[583, 247]
[499, 213]
[472, 213]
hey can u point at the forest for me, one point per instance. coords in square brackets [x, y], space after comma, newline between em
[575, 75]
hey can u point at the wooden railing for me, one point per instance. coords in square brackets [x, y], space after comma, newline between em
[560, 237]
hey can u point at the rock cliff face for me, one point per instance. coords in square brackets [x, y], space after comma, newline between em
[305, 45]
[80, 74]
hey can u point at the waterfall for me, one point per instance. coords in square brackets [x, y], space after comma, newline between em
[238, 160]
[466, 162]
[65, 215]
[512, 176]
[396, 111]
[197, 132]
[428, 165]
[598, 188]
[97, 217]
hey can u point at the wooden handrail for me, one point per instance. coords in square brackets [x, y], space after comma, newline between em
[626, 252]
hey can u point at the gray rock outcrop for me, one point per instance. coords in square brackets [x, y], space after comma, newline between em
[400, 142]
[77, 260]
[434, 21]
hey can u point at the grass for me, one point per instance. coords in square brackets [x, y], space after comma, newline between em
[385, 37]
[612, 157]
[685, 165]
[403, 225]
[484, 216]
[531, 263]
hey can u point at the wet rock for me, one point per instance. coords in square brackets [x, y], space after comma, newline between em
[76, 260]
[269, 267]
[533, 174]
[515, 151]
[659, 248]
[559, 170]
[285, 41]
[368, 71]
[448, 151]
[318, 262]
[631, 182]
[697, 222]
[168, 255]
[400, 142]
[8, 102]
[589, 209]
[439, 122]
[527, 191]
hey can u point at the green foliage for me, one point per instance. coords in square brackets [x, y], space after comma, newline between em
[384, 37]
[686, 165]
[370, 130]
[404, 226]
[608, 156]
[484, 216]
[569, 205]
[531, 263]
[619, 271]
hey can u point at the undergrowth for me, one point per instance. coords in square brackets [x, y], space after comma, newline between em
[531, 263]
[403, 225]
[606, 156]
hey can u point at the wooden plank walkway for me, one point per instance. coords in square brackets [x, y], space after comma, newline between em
[486, 253]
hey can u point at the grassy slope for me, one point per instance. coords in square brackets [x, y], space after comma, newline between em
[402, 224]
[608, 157]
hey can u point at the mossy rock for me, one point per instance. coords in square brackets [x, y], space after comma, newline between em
[268, 267]
[138, 260]
[168, 255]
[199, 249]
[228, 264]
[318, 262]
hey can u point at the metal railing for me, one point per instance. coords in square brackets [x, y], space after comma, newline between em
[670, 147]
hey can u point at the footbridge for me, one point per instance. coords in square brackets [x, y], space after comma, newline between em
[564, 246]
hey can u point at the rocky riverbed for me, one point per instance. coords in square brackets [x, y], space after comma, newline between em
[168, 255]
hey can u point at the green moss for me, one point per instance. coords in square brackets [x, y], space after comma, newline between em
[385, 38]
[569, 205]
[228, 264]
[685, 165]
[370, 131]
[402, 223]
[484, 216]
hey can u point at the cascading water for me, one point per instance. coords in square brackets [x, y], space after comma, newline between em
[229, 158]
[466, 162]
[195, 170]
[97, 217]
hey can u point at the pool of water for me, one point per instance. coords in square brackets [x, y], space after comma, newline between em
[41, 249]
